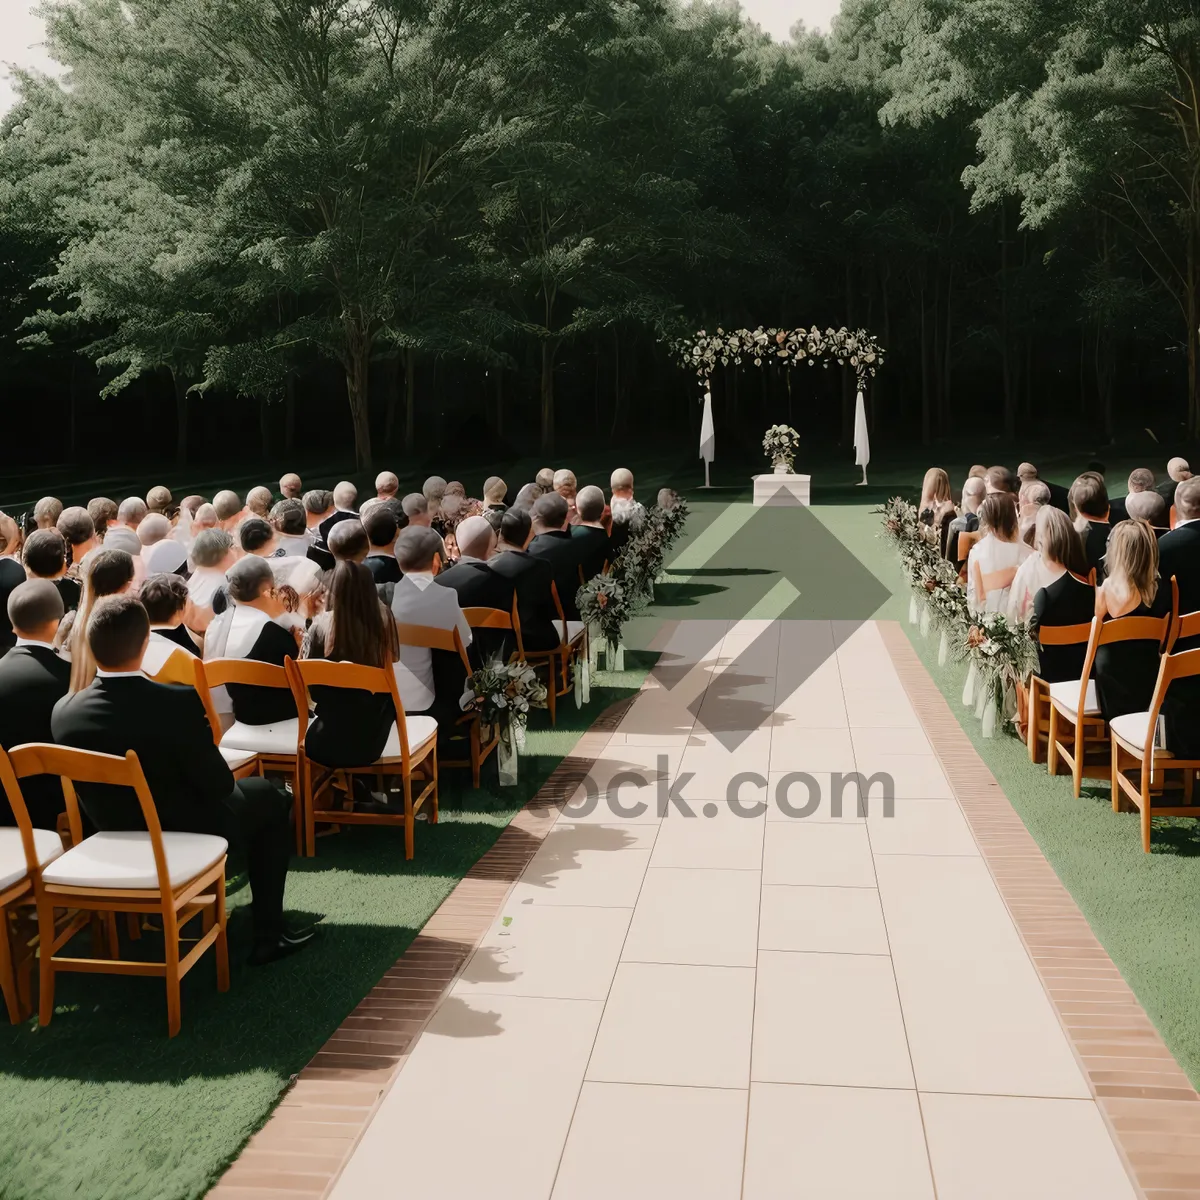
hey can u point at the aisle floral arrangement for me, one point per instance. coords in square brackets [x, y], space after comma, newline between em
[780, 444]
[1000, 655]
[504, 694]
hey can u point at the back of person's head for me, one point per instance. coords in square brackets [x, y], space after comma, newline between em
[344, 495]
[1089, 496]
[290, 487]
[1001, 479]
[359, 632]
[416, 548]
[258, 500]
[565, 482]
[288, 517]
[121, 537]
[515, 527]
[248, 578]
[158, 499]
[163, 597]
[978, 471]
[1147, 506]
[621, 480]
[527, 496]
[451, 508]
[76, 526]
[456, 488]
[494, 490]
[1187, 499]
[1131, 559]
[46, 553]
[380, 524]
[549, 511]
[475, 537]
[348, 540]
[35, 607]
[668, 498]
[396, 507]
[1057, 542]
[415, 504]
[1035, 492]
[935, 489]
[131, 511]
[386, 484]
[998, 516]
[103, 512]
[211, 547]
[10, 534]
[47, 511]
[189, 506]
[1179, 470]
[227, 504]
[206, 517]
[545, 479]
[1027, 472]
[1140, 480]
[153, 528]
[117, 631]
[255, 535]
[434, 489]
[590, 503]
[109, 572]
[318, 502]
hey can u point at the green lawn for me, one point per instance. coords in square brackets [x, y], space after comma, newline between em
[102, 1105]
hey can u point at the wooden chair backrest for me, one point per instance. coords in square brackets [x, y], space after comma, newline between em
[221, 671]
[1187, 625]
[1064, 635]
[1171, 667]
[1119, 629]
[558, 608]
[434, 639]
[516, 627]
[86, 766]
[965, 542]
[488, 618]
[16, 801]
[200, 682]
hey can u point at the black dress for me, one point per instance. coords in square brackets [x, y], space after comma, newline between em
[1126, 672]
[11, 575]
[1069, 600]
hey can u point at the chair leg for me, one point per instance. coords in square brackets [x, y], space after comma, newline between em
[1145, 819]
[475, 755]
[1052, 743]
[45, 911]
[550, 696]
[1077, 765]
[298, 812]
[309, 803]
[408, 816]
[434, 794]
[171, 959]
[1115, 778]
[8, 976]
[133, 926]
[221, 945]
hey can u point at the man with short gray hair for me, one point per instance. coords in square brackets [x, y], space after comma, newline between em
[131, 512]
[1177, 471]
[344, 497]
[47, 511]
[589, 536]
[1147, 505]
[229, 509]
[416, 509]
[158, 499]
[386, 485]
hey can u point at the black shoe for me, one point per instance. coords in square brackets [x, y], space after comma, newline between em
[283, 946]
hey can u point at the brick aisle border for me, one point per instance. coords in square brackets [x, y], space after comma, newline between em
[301, 1150]
[1151, 1107]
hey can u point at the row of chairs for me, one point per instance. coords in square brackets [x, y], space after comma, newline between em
[1066, 725]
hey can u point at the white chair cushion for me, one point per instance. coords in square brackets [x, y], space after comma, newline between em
[1066, 696]
[280, 738]
[126, 860]
[236, 758]
[420, 730]
[1132, 728]
[47, 845]
[574, 629]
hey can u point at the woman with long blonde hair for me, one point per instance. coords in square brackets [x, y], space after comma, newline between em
[106, 573]
[935, 495]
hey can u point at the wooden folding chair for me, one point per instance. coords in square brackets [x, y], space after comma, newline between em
[1076, 703]
[965, 542]
[494, 618]
[410, 753]
[253, 749]
[174, 876]
[450, 641]
[24, 851]
[558, 661]
[1036, 736]
[1133, 747]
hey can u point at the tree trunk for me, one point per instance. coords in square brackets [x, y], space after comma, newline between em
[1193, 334]
[358, 392]
[848, 389]
[264, 428]
[947, 361]
[1010, 399]
[547, 395]
[181, 414]
[616, 409]
[926, 415]
[410, 399]
[73, 412]
[393, 400]
[289, 413]
[498, 384]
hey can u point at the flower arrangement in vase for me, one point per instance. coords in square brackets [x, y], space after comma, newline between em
[780, 444]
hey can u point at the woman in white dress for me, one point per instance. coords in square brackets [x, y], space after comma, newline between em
[993, 562]
[1054, 541]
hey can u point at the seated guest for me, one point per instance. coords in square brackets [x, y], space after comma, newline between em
[1126, 672]
[189, 780]
[1179, 552]
[527, 496]
[429, 684]
[103, 512]
[566, 485]
[994, 559]
[553, 542]
[344, 497]
[544, 481]
[589, 534]
[1089, 499]
[416, 509]
[1031, 497]
[382, 532]
[1000, 480]
[351, 727]
[1150, 507]
[531, 579]
[47, 511]
[1067, 599]
[12, 574]
[1047, 566]
[229, 509]
[386, 485]
[627, 513]
[258, 537]
[79, 530]
[107, 573]
[32, 681]
[131, 511]
[205, 518]
[318, 508]
[290, 487]
[120, 537]
[480, 585]
[974, 491]
[258, 501]
[158, 499]
[1059, 496]
[160, 551]
[165, 599]
[1177, 471]
[288, 519]
[188, 507]
[250, 628]
[433, 490]
[1141, 482]
[494, 492]
[212, 555]
[349, 542]
[46, 558]
[450, 512]
[978, 471]
[935, 495]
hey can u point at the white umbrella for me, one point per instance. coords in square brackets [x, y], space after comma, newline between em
[862, 440]
[708, 437]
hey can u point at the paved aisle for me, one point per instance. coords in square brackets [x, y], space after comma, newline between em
[764, 1007]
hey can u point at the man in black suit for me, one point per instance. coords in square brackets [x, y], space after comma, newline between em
[1060, 497]
[1090, 498]
[344, 497]
[531, 578]
[553, 543]
[32, 681]
[589, 534]
[1179, 551]
[47, 557]
[1177, 471]
[192, 787]
[318, 508]
[479, 585]
[382, 531]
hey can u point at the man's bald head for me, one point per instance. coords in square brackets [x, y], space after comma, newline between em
[476, 537]
[1027, 472]
[590, 504]
[344, 495]
[47, 511]
[348, 541]
[1179, 470]
[1147, 506]
[258, 501]
[290, 486]
[386, 485]
[228, 505]
[131, 511]
[549, 513]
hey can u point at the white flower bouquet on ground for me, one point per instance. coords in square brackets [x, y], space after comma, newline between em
[503, 695]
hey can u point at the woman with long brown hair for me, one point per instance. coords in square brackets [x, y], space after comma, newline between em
[351, 728]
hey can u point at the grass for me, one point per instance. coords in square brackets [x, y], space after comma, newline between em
[102, 1106]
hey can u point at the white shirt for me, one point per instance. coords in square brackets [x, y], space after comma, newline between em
[990, 557]
[34, 642]
[1033, 574]
[295, 545]
[100, 674]
[418, 601]
[203, 584]
[158, 651]
[164, 557]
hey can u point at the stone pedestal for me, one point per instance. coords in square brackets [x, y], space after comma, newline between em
[785, 491]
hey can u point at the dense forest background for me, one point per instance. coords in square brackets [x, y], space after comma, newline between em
[248, 226]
